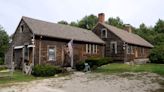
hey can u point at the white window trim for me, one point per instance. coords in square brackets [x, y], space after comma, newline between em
[18, 47]
[115, 46]
[90, 48]
[49, 46]
[102, 36]
[94, 49]
[86, 48]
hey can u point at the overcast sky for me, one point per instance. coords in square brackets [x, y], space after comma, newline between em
[133, 12]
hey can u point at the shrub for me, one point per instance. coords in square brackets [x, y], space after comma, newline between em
[157, 54]
[3, 67]
[1, 61]
[98, 61]
[46, 70]
[80, 66]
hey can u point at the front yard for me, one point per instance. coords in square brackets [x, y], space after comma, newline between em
[120, 68]
[18, 76]
[111, 77]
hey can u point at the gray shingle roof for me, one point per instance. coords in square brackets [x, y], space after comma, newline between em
[127, 37]
[49, 29]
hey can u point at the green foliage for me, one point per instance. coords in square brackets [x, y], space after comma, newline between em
[157, 54]
[88, 22]
[18, 76]
[96, 62]
[3, 68]
[74, 24]
[4, 39]
[159, 27]
[63, 22]
[93, 63]
[80, 66]
[46, 70]
[117, 22]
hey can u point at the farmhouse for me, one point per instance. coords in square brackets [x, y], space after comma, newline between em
[41, 42]
[122, 45]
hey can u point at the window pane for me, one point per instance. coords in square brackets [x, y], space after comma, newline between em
[51, 53]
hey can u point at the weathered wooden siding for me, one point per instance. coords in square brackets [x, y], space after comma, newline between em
[18, 39]
[22, 38]
[121, 53]
[78, 48]
[111, 37]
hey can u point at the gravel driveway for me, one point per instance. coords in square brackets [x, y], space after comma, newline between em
[91, 82]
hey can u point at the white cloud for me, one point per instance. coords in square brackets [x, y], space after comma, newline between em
[131, 11]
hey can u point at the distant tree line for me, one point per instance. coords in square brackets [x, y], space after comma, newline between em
[153, 34]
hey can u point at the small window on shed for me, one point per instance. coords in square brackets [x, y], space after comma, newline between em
[103, 33]
[128, 49]
[21, 28]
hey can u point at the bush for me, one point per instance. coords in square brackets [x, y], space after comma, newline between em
[3, 67]
[46, 70]
[157, 54]
[80, 66]
[1, 61]
[96, 62]
[93, 63]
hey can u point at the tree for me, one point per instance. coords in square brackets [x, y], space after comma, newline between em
[116, 22]
[74, 24]
[159, 27]
[88, 22]
[157, 54]
[4, 39]
[63, 22]
[147, 33]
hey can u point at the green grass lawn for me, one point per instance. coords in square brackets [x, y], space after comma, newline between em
[119, 68]
[18, 76]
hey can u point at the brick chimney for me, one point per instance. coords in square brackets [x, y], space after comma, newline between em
[101, 17]
[128, 28]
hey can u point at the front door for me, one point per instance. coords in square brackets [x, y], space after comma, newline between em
[136, 53]
[18, 57]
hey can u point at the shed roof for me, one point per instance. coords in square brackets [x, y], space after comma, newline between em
[39, 27]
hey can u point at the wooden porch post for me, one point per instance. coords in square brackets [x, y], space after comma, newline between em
[33, 50]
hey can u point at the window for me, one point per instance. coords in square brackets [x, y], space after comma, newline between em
[114, 47]
[142, 51]
[91, 48]
[131, 48]
[51, 53]
[94, 49]
[88, 48]
[103, 33]
[21, 28]
[128, 49]
[26, 52]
